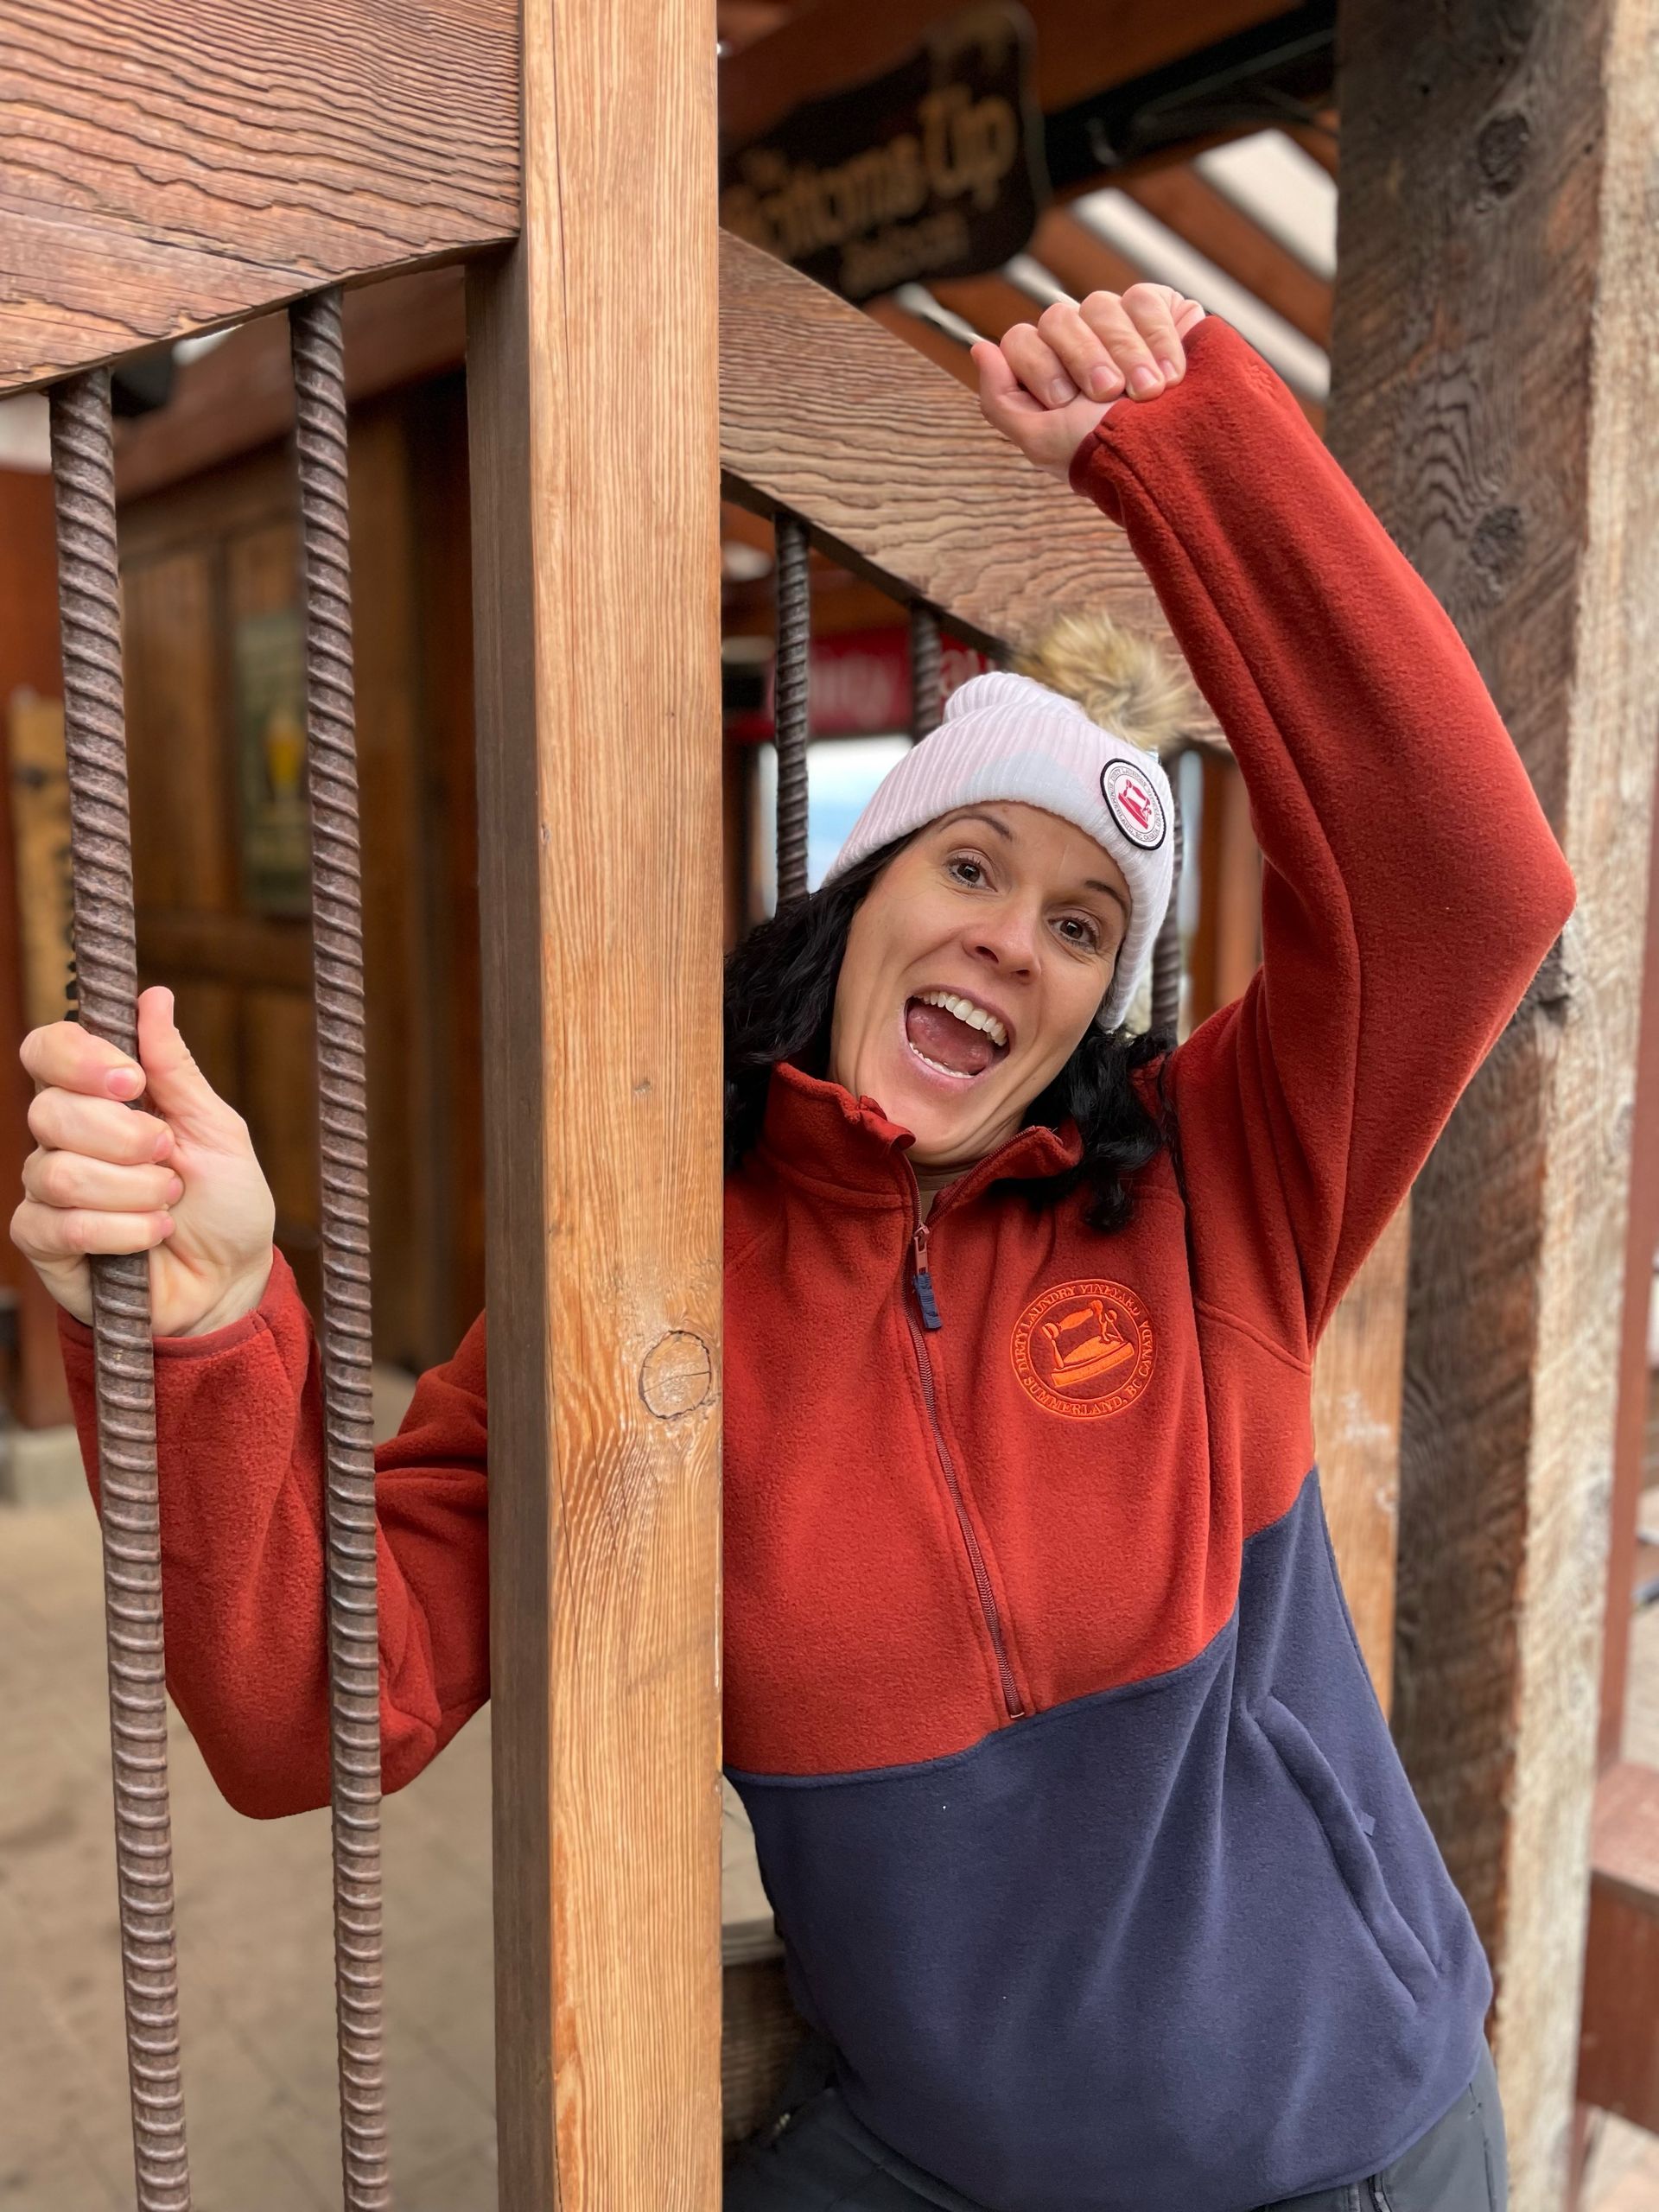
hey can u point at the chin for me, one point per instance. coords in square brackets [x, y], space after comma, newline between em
[942, 1112]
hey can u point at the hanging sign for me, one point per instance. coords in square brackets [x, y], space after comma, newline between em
[934, 169]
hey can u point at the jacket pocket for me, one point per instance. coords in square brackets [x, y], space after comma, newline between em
[1357, 1863]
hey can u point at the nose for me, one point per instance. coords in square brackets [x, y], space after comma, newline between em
[1006, 940]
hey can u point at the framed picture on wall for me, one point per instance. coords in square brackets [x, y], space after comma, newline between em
[268, 659]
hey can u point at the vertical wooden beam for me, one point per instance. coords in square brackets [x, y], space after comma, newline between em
[593, 402]
[1635, 1375]
[1496, 347]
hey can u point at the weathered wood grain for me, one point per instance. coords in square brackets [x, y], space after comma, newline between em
[898, 474]
[596, 612]
[933, 344]
[170, 170]
[1495, 342]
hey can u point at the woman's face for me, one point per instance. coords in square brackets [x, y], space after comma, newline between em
[975, 964]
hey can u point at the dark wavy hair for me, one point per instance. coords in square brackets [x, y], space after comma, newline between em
[780, 995]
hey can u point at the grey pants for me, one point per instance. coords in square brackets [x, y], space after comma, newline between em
[822, 2160]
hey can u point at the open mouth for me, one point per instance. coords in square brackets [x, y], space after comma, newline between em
[953, 1034]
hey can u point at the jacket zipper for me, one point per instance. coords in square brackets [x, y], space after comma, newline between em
[923, 1281]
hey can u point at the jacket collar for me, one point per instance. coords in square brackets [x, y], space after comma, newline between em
[819, 1134]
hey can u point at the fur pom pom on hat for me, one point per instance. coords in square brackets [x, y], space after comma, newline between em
[1079, 744]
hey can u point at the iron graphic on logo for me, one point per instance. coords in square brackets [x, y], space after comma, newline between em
[1084, 1350]
[1135, 807]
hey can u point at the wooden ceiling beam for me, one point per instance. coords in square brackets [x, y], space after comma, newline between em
[1323, 140]
[1195, 211]
[992, 304]
[1073, 254]
[1083, 46]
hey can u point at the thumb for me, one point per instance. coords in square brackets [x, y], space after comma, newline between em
[178, 1090]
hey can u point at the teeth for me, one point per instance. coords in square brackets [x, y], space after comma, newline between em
[965, 1010]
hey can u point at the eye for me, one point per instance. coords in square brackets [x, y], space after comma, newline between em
[1080, 930]
[966, 867]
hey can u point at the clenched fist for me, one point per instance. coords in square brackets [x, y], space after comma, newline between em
[180, 1182]
[1048, 384]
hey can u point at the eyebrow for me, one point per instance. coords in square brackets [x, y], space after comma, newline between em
[1090, 883]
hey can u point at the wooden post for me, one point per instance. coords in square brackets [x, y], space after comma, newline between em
[592, 379]
[1496, 345]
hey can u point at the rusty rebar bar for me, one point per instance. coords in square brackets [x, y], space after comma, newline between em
[106, 974]
[927, 670]
[792, 705]
[1166, 946]
[348, 1410]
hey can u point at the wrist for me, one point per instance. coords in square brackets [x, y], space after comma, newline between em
[236, 1301]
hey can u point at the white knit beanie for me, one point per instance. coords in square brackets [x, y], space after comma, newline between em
[1009, 737]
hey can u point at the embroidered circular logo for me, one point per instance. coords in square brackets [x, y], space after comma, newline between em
[1084, 1350]
[1135, 807]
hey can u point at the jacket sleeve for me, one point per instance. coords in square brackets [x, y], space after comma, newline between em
[238, 1419]
[1411, 885]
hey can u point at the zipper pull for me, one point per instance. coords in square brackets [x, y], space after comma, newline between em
[925, 1297]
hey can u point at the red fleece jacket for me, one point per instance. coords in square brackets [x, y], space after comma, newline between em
[1411, 888]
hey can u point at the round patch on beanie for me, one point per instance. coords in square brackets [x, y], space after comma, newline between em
[1134, 806]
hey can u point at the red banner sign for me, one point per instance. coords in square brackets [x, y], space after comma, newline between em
[860, 685]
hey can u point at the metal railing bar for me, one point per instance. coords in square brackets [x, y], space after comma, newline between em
[106, 982]
[346, 1346]
[1166, 946]
[927, 670]
[791, 706]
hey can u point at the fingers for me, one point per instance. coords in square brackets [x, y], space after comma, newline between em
[1108, 344]
[42, 1232]
[97, 1126]
[1003, 400]
[1038, 366]
[71, 1058]
[178, 1088]
[1186, 315]
[1142, 342]
[72, 1178]
[1080, 352]
[1150, 310]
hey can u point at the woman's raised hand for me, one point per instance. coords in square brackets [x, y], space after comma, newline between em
[1048, 383]
[181, 1183]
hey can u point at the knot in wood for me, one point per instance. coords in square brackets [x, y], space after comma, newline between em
[677, 1374]
[1501, 150]
[1498, 549]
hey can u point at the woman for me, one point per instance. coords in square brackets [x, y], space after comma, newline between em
[1099, 1875]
